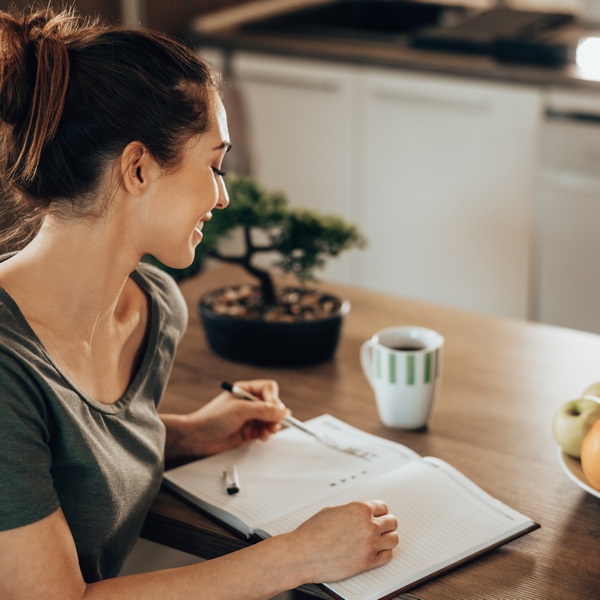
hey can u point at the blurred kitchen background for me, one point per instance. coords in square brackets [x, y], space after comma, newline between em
[465, 147]
[473, 169]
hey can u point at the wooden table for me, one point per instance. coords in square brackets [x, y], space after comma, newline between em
[502, 381]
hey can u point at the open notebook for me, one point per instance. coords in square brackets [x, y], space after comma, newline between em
[444, 518]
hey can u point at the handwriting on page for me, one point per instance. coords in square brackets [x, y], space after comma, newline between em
[348, 479]
[333, 433]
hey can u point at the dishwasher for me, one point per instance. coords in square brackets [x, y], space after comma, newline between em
[567, 238]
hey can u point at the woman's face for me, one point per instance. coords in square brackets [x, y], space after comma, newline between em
[185, 197]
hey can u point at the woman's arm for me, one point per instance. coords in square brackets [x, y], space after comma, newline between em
[40, 561]
[225, 422]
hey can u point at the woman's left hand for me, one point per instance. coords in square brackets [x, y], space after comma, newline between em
[226, 421]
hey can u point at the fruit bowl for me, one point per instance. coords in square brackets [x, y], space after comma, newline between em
[572, 467]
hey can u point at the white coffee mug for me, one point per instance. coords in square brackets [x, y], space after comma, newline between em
[403, 365]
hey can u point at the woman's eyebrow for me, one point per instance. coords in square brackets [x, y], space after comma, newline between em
[225, 145]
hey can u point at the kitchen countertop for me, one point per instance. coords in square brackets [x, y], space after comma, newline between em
[396, 54]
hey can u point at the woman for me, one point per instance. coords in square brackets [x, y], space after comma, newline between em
[112, 146]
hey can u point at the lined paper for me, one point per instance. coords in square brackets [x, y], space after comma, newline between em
[443, 516]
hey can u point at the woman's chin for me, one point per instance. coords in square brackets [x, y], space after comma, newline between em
[178, 262]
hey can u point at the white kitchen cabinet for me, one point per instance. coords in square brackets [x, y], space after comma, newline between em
[567, 282]
[447, 195]
[437, 172]
[298, 120]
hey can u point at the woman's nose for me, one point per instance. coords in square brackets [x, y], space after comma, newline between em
[223, 201]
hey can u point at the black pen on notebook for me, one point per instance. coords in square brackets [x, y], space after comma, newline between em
[236, 390]
[231, 480]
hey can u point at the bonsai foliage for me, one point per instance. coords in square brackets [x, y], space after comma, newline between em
[301, 240]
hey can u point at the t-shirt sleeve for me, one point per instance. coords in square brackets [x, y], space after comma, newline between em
[27, 492]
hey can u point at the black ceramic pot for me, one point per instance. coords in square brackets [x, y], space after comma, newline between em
[272, 343]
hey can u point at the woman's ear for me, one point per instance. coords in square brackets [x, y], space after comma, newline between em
[136, 166]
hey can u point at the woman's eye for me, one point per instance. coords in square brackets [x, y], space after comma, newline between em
[218, 172]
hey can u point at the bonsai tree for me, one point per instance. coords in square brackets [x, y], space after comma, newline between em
[258, 324]
[302, 240]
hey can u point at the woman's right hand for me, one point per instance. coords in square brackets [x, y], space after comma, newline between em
[345, 540]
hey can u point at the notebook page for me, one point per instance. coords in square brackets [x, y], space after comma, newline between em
[443, 517]
[289, 470]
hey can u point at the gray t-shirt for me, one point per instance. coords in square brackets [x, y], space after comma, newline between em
[102, 464]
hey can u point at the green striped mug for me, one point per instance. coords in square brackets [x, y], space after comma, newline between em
[403, 365]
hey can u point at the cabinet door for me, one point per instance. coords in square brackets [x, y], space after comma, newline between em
[298, 123]
[568, 215]
[448, 190]
[568, 276]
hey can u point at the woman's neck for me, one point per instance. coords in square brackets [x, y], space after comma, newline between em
[72, 269]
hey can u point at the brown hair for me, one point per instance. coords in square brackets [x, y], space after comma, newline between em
[74, 93]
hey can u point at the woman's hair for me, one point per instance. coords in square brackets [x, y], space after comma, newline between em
[74, 93]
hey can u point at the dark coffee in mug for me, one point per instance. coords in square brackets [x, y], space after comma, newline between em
[408, 347]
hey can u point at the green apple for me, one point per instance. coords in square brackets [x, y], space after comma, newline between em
[572, 421]
[592, 390]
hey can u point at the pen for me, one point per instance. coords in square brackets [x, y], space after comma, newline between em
[244, 395]
[231, 479]
[292, 422]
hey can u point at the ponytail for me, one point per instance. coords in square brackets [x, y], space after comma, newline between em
[34, 76]
[49, 92]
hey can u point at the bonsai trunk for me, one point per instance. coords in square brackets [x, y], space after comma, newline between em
[266, 282]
